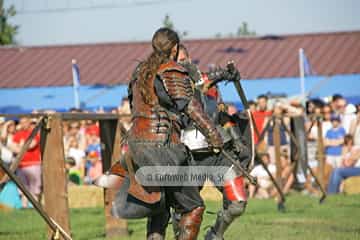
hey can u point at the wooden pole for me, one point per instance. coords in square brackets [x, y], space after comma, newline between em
[54, 174]
[277, 143]
[320, 152]
[114, 227]
[56, 228]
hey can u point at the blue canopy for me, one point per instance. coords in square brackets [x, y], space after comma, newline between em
[20, 100]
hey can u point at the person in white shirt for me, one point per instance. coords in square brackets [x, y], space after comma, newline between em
[264, 181]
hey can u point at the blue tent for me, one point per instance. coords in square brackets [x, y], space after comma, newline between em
[20, 100]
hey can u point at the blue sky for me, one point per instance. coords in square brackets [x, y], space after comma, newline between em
[138, 19]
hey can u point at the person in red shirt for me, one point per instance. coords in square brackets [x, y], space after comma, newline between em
[261, 114]
[29, 169]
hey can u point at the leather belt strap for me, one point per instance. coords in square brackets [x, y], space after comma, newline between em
[135, 189]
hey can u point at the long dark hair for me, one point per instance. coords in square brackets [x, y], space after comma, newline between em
[163, 41]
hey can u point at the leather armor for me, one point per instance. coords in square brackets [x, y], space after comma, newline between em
[153, 122]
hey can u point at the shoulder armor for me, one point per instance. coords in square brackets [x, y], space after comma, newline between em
[170, 67]
[176, 80]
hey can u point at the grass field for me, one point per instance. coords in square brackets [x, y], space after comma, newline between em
[337, 218]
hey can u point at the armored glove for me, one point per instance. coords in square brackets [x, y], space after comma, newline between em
[229, 73]
[234, 74]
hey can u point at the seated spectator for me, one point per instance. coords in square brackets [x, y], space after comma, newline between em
[334, 141]
[93, 141]
[94, 167]
[350, 166]
[74, 132]
[287, 175]
[266, 188]
[77, 154]
[355, 127]
[348, 152]
[92, 127]
[311, 187]
[312, 129]
[73, 172]
[264, 181]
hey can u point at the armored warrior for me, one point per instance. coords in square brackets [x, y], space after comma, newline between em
[160, 94]
[235, 132]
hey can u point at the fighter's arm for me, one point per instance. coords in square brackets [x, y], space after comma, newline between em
[178, 87]
[230, 73]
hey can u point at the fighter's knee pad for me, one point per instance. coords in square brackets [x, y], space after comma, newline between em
[235, 209]
[224, 219]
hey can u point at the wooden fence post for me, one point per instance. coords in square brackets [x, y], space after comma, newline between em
[320, 153]
[54, 173]
[114, 227]
[277, 143]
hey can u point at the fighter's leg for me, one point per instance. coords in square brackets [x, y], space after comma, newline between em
[186, 225]
[190, 224]
[234, 204]
[203, 159]
[224, 219]
[175, 220]
[156, 226]
[189, 210]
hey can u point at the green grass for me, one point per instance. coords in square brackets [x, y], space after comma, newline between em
[337, 218]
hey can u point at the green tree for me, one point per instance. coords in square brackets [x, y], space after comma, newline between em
[168, 23]
[243, 30]
[218, 35]
[7, 30]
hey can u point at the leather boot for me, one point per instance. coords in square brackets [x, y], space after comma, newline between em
[190, 224]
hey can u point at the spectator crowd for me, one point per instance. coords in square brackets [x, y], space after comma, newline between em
[82, 150]
[339, 136]
[340, 124]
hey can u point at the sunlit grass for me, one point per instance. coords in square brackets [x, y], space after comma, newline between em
[337, 218]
